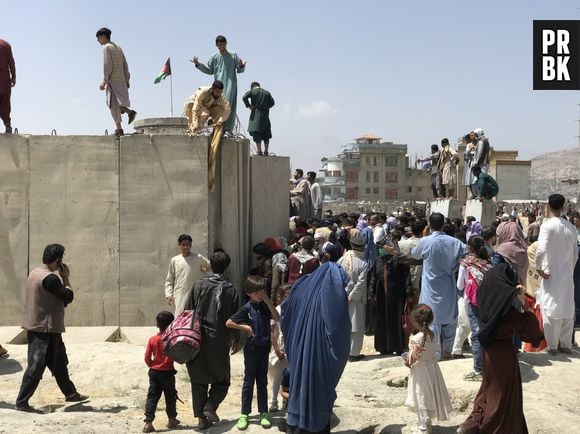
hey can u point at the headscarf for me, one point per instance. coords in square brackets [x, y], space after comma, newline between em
[476, 267]
[388, 240]
[391, 223]
[495, 297]
[331, 249]
[316, 327]
[513, 248]
[362, 223]
[273, 244]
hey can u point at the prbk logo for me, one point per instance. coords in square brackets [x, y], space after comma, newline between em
[557, 55]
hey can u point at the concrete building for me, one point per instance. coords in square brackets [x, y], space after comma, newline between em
[373, 170]
[118, 206]
[332, 180]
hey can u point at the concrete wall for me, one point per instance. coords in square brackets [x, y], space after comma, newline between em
[269, 197]
[118, 207]
[513, 178]
[482, 210]
[162, 193]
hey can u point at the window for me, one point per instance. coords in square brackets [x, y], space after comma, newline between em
[351, 193]
[337, 173]
[375, 176]
[336, 190]
[368, 176]
[419, 189]
[368, 190]
[368, 161]
[391, 160]
[391, 193]
[391, 177]
[376, 190]
[375, 161]
[351, 175]
[410, 189]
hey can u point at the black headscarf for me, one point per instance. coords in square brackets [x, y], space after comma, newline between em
[495, 297]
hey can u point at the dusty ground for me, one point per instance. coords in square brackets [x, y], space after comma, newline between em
[115, 377]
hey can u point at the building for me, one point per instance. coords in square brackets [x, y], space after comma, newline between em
[372, 170]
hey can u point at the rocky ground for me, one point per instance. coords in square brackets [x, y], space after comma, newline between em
[115, 377]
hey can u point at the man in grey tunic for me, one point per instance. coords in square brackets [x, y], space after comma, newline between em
[224, 66]
[115, 79]
[357, 269]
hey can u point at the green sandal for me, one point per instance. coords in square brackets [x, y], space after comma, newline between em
[243, 422]
[265, 420]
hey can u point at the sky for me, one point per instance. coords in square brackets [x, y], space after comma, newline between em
[409, 72]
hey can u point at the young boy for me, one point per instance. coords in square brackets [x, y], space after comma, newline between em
[161, 376]
[254, 318]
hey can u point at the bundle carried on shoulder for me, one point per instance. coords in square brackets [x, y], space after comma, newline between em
[182, 338]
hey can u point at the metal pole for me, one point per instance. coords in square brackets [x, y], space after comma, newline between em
[171, 92]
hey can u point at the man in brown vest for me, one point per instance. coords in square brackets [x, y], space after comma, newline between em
[47, 294]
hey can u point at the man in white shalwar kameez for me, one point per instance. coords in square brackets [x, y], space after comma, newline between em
[115, 79]
[184, 270]
[556, 257]
[354, 264]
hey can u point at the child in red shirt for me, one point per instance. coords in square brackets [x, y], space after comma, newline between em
[161, 376]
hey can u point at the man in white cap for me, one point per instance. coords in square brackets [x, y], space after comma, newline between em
[481, 157]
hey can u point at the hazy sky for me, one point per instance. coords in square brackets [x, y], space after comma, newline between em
[410, 72]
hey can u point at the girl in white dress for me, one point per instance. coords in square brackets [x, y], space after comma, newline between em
[426, 393]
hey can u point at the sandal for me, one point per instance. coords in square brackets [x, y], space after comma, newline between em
[259, 153]
[265, 153]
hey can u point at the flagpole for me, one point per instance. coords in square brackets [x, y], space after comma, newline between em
[171, 92]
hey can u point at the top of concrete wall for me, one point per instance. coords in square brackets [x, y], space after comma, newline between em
[161, 126]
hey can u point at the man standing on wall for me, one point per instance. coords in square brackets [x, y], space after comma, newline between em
[184, 270]
[7, 82]
[48, 292]
[260, 101]
[224, 66]
[315, 195]
[115, 80]
[300, 196]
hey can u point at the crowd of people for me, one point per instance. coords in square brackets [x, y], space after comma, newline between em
[427, 288]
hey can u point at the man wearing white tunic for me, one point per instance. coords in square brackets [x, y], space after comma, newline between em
[184, 270]
[556, 257]
[115, 80]
[354, 264]
[224, 66]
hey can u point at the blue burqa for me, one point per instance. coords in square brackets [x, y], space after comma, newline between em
[316, 328]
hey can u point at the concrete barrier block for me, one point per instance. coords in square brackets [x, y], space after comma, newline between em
[14, 197]
[450, 208]
[163, 193]
[483, 210]
[74, 202]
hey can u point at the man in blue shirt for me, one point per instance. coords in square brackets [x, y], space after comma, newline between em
[440, 254]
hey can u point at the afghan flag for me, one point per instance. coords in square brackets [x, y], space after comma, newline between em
[164, 72]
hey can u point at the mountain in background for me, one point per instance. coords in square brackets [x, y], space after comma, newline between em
[550, 169]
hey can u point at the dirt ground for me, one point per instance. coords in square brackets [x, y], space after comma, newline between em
[115, 377]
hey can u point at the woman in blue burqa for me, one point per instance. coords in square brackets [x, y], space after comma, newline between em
[316, 328]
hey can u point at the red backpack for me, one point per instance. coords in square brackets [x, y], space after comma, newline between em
[182, 338]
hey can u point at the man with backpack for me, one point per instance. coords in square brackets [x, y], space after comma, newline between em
[487, 187]
[216, 300]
